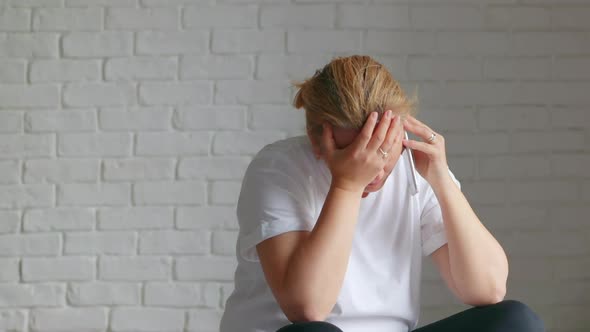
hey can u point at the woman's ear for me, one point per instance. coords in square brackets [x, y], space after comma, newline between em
[314, 145]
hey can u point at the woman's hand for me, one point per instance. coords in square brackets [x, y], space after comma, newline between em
[429, 155]
[355, 166]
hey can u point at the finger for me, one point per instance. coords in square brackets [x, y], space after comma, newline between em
[366, 133]
[328, 145]
[429, 149]
[380, 133]
[415, 121]
[421, 131]
[393, 134]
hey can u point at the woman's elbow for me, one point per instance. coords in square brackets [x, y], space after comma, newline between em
[306, 313]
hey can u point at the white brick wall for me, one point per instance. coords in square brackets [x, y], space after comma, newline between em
[126, 127]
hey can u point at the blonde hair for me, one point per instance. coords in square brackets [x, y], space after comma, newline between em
[346, 90]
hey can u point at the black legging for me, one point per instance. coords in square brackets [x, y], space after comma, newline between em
[505, 316]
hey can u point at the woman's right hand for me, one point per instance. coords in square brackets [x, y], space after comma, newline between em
[355, 166]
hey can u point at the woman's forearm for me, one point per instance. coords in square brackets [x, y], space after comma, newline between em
[478, 264]
[316, 269]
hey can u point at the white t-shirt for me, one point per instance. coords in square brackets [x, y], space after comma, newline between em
[283, 190]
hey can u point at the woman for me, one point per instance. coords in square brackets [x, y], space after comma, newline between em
[332, 235]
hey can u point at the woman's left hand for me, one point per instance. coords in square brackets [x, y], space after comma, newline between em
[430, 157]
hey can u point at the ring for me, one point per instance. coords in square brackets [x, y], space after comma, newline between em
[431, 138]
[383, 153]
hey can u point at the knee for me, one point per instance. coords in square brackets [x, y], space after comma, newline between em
[310, 327]
[519, 316]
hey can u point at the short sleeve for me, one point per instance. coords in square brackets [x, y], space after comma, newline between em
[273, 200]
[431, 223]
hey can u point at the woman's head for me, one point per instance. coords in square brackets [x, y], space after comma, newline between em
[345, 91]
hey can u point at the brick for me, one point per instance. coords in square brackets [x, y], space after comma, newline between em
[10, 171]
[204, 320]
[173, 294]
[544, 191]
[252, 92]
[174, 242]
[11, 122]
[10, 221]
[317, 41]
[13, 70]
[135, 268]
[548, 141]
[185, 93]
[518, 68]
[9, 271]
[570, 68]
[145, 119]
[271, 66]
[566, 18]
[135, 218]
[67, 19]
[30, 295]
[374, 16]
[206, 217]
[171, 43]
[225, 192]
[61, 170]
[29, 245]
[248, 41]
[205, 268]
[81, 194]
[107, 243]
[387, 42]
[216, 67]
[13, 320]
[570, 165]
[544, 243]
[39, 95]
[170, 143]
[142, 18]
[97, 44]
[28, 45]
[541, 43]
[210, 117]
[309, 16]
[224, 242]
[58, 219]
[69, 319]
[493, 143]
[140, 68]
[147, 319]
[466, 43]
[101, 3]
[219, 15]
[274, 117]
[240, 143]
[502, 118]
[104, 293]
[485, 192]
[447, 68]
[95, 145]
[570, 217]
[64, 70]
[36, 3]
[54, 269]
[572, 268]
[514, 167]
[512, 17]
[99, 94]
[26, 196]
[21, 146]
[514, 217]
[61, 121]
[169, 193]
[219, 168]
[447, 17]
[139, 169]
[15, 19]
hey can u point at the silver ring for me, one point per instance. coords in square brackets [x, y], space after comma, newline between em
[431, 138]
[383, 153]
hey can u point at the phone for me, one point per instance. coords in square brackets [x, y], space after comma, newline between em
[412, 169]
